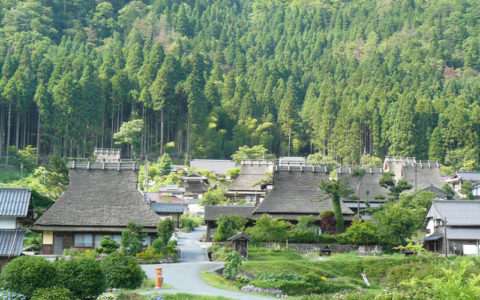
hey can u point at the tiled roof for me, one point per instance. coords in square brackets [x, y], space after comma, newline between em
[297, 192]
[458, 212]
[468, 176]
[11, 241]
[14, 201]
[463, 233]
[168, 207]
[439, 192]
[212, 212]
[217, 166]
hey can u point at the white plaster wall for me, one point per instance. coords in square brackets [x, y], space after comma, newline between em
[8, 223]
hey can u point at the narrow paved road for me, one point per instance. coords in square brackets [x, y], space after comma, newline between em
[184, 276]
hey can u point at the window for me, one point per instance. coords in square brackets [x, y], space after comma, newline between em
[83, 240]
[98, 239]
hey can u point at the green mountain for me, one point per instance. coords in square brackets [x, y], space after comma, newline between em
[343, 78]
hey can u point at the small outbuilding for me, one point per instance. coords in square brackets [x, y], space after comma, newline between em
[240, 243]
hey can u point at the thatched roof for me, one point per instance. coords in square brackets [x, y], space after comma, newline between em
[417, 173]
[100, 197]
[369, 182]
[296, 192]
[251, 176]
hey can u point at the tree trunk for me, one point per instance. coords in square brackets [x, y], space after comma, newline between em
[17, 128]
[289, 139]
[188, 141]
[161, 132]
[9, 126]
[39, 123]
[24, 138]
[2, 129]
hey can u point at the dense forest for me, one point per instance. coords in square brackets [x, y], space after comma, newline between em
[339, 78]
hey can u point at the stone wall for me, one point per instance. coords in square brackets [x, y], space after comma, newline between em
[310, 248]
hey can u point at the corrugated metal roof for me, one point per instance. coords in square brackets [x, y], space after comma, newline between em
[458, 212]
[433, 237]
[168, 207]
[463, 233]
[11, 241]
[14, 201]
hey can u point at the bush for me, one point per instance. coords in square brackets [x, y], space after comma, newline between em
[108, 245]
[187, 223]
[107, 296]
[82, 276]
[229, 225]
[269, 229]
[361, 233]
[122, 271]
[54, 293]
[25, 274]
[305, 231]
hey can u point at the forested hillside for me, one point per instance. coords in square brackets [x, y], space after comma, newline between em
[342, 78]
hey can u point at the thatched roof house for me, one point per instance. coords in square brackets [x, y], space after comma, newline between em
[102, 199]
[296, 193]
[248, 184]
[366, 187]
[217, 166]
[417, 173]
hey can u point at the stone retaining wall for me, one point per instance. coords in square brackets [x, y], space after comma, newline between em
[309, 248]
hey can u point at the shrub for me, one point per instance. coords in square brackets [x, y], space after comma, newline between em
[54, 293]
[165, 229]
[107, 296]
[122, 271]
[25, 274]
[229, 225]
[269, 229]
[305, 231]
[82, 276]
[187, 223]
[132, 238]
[232, 265]
[361, 233]
[108, 245]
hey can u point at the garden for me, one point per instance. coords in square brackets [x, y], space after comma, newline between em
[283, 272]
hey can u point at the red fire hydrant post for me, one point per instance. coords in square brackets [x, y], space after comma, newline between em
[158, 278]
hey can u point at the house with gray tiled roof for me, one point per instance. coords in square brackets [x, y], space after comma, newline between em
[461, 177]
[217, 166]
[15, 211]
[102, 199]
[453, 227]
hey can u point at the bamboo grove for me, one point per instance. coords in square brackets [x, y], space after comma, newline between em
[342, 78]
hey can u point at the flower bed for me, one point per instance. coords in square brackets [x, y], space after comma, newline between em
[251, 288]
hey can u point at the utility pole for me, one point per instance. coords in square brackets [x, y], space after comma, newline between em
[445, 233]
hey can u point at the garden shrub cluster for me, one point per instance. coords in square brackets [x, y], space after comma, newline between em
[187, 223]
[81, 276]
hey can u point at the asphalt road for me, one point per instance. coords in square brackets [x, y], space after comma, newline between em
[184, 276]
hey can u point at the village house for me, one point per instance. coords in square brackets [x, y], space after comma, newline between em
[171, 210]
[295, 193]
[217, 166]
[367, 191]
[102, 199]
[195, 186]
[15, 212]
[417, 173]
[462, 177]
[453, 227]
[247, 186]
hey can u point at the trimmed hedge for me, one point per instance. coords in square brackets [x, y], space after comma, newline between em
[54, 293]
[82, 276]
[122, 271]
[26, 274]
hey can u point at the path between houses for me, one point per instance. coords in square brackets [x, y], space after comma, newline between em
[184, 276]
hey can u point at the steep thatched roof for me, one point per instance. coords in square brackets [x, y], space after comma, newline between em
[369, 182]
[250, 177]
[100, 196]
[417, 173]
[296, 192]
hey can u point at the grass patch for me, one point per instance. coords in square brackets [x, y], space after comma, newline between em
[266, 254]
[10, 174]
[218, 281]
[179, 296]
